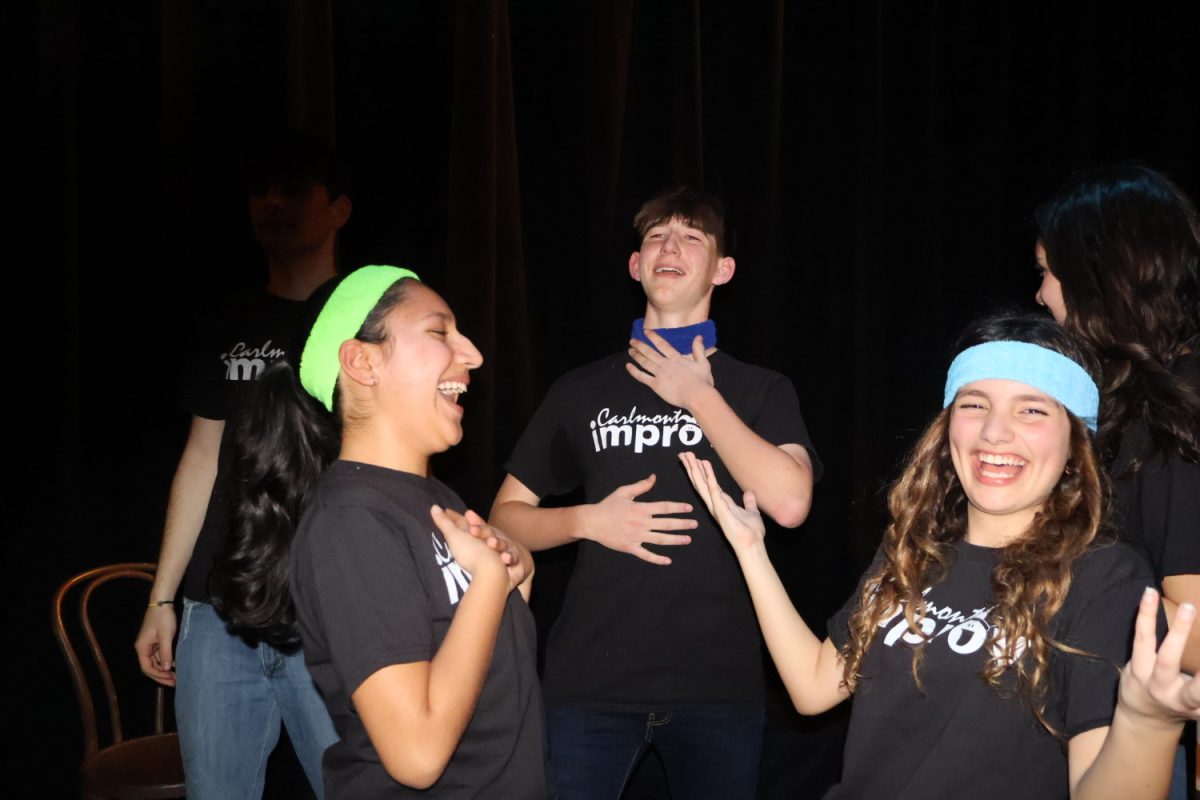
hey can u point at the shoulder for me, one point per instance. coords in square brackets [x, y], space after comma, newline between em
[595, 372]
[396, 499]
[722, 361]
[1110, 563]
[1107, 581]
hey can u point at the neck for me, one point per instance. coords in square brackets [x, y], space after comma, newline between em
[670, 318]
[988, 530]
[369, 443]
[294, 276]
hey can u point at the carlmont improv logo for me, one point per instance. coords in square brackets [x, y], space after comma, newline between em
[640, 431]
[243, 363]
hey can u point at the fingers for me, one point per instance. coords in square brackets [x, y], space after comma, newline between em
[1170, 652]
[632, 490]
[750, 502]
[455, 518]
[661, 346]
[638, 375]
[698, 349]
[668, 539]
[653, 558]
[696, 475]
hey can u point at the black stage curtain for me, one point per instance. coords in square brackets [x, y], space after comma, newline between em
[880, 162]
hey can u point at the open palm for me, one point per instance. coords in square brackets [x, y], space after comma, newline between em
[743, 527]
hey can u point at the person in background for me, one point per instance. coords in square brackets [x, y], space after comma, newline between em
[232, 694]
[1119, 253]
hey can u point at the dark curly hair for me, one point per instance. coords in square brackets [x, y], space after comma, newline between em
[283, 443]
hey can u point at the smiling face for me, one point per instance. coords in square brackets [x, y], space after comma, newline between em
[1009, 443]
[678, 265]
[421, 369]
[1049, 293]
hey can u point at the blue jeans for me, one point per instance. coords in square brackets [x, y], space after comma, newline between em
[229, 700]
[706, 754]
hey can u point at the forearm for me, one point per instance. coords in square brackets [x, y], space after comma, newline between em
[416, 714]
[1184, 589]
[539, 528]
[1134, 763]
[782, 484]
[191, 489]
[810, 668]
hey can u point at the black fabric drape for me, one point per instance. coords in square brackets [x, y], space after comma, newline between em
[879, 161]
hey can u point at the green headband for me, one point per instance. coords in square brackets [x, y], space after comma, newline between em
[340, 318]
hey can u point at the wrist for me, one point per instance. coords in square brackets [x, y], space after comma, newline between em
[491, 574]
[1142, 724]
[700, 398]
[581, 521]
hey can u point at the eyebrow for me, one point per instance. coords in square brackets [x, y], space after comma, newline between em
[442, 315]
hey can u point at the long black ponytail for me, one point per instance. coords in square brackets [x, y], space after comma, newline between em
[282, 445]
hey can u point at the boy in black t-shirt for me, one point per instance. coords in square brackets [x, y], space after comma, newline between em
[231, 696]
[654, 649]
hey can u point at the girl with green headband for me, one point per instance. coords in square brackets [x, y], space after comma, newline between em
[409, 606]
[983, 646]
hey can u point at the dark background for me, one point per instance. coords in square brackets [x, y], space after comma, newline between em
[880, 161]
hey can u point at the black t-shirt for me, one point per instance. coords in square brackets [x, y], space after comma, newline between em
[374, 585]
[1158, 507]
[960, 737]
[236, 340]
[632, 635]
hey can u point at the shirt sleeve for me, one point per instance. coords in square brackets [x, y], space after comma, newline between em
[543, 459]
[368, 595]
[1110, 583]
[1174, 491]
[202, 390]
[779, 421]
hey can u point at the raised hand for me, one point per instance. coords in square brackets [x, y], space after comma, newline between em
[515, 557]
[470, 551]
[673, 377]
[1153, 688]
[621, 522]
[155, 644]
[743, 527]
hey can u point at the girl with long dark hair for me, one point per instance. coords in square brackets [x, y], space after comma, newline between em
[407, 604]
[983, 644]
[1119, 253]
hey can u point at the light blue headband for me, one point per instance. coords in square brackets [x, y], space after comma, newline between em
[1036, 366]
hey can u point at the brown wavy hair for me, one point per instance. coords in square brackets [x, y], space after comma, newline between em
[1124, 242]
[1033, 574]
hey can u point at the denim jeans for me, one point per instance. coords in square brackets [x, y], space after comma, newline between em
[706, 754]
[229, 701]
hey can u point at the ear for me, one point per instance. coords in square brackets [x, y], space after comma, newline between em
[341, 211]
[634, 272]
[725, 269]
[357, 361]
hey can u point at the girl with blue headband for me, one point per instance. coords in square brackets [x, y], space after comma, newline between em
[983, 646]
[409, 606]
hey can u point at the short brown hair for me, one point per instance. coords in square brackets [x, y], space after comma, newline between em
[696, 208]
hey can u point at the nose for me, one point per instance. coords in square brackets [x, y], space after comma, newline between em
[996, 428]
[468, 354]
[671, 242]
